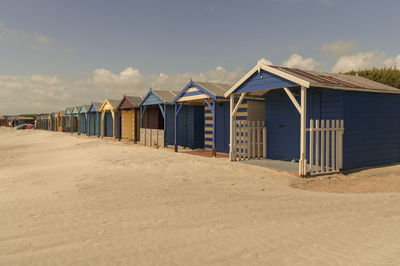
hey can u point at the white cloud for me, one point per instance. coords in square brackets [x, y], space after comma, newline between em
[297, 61]
[265, 61]
[40, 93]
[34, 41]
[365, 60]
[178, 81]
[340, 48]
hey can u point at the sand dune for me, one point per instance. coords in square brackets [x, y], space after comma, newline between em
[69, 200]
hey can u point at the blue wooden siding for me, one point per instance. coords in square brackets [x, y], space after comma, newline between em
[94, 124]
[108, 124]
[371, 120]
[208, 128]
[82, 123]
[190, 126]
[372, 129]
[282, 121]
[222, 127]
[262, 81]
[151, 99]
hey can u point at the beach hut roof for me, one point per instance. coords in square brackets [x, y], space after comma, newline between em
[159, 97]
[75, 110]
[84, 108]
[133, 101]
[97, 105]
[217, 89]
[109, 104]
[278, 77]
[68, 110]
[198, 90]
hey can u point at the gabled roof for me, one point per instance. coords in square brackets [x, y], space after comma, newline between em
[68, 110]
[75, 110]
[196, 90]
[158, 97]
[96, 106]
[134, 101]
[109, 104]
[307, 78]
[84, 108]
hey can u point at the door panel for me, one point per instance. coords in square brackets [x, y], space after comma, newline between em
[222, 127]
[108, 124]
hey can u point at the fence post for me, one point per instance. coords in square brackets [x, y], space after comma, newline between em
[258, 140]
[327, 144]
[317, 133]
[333, 145]
[264, 139]
[254, 125]
[311, 146]
[341, 144]
[322, 145]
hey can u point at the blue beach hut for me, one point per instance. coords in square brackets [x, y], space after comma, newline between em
[83, 121]
[214, 123]
[157, 120]
[94, 117]
[325, 121]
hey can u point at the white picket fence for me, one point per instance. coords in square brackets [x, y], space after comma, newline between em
[249, 140]
[326, 146]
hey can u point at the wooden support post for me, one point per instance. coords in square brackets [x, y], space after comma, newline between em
[87, 124]
[99, 124]
[89, 118]
[231, 127]
[214, 150]
[303, 117]
[113, 117]
[264, 139]
[176, 128]
[165, 125]
[119, 125]
[311, 146]
[317, 133]
[102, 124]
[327, 145]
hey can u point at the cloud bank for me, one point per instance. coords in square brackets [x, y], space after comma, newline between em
[41, 94]
[366, 60]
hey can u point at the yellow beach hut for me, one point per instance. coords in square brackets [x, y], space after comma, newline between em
[109, 121]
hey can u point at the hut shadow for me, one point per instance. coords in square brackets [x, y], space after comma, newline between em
[358, 170]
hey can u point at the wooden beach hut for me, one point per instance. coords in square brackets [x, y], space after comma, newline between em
[4, 121]
[83, 121]
[129, 118]
[68, 115]
[324, 121]
[48, 118]
[60, 121]
[53, 121]
[94, 118]
[210, 96]
[109, 121]
[74, 119]
[157, 121]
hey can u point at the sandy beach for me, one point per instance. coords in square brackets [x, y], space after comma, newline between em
[73, 200]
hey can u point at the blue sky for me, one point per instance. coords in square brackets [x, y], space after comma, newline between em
[70, 40]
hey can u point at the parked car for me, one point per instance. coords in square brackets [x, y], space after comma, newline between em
[25, 126]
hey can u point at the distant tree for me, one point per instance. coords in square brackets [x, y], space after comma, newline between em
[388, 76]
